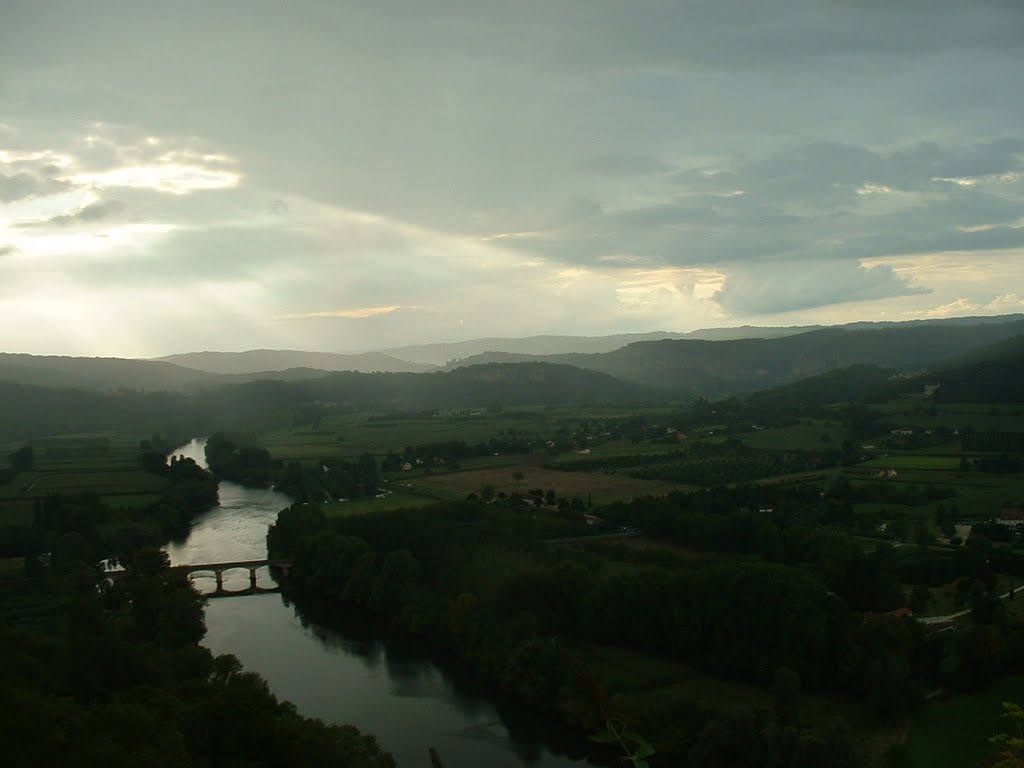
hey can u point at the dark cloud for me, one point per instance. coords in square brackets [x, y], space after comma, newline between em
[816, 200]
[829, 173]
[994, 238]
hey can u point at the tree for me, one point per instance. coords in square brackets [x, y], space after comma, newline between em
[1011, 743]
[919, 597]
[366, 473]
[22, 459]
[635, 748]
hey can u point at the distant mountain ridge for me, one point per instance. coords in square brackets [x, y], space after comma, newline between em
[100, 373]
[713, 368]
[262, 360]
[445, 354]
[678, 364]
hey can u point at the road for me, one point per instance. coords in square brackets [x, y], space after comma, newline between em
[959, 614]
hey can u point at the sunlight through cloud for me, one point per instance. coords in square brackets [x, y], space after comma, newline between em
[172, 178]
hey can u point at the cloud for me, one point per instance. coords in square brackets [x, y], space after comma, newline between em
[19, 185]
[797, 154]
[360, 313]
[58, 216]
[956, 308]
[766, 289]
[173, 178]
[807, 226]
[624, 164]
[1008, 303]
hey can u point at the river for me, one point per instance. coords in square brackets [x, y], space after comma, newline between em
[346, 667]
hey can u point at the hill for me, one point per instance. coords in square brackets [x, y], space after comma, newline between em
[36, 411]
[102, 373]
[265, 360]
[445, 352]
[991, 375]
[517, 349]
[473, 386]
[450, 353]
[696, 367]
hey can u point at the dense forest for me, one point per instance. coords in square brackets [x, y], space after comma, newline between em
[479, 580]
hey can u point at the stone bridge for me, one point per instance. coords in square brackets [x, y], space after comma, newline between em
[218, 571]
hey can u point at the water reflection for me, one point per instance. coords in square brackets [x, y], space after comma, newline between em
[347, 667]
[420, 673]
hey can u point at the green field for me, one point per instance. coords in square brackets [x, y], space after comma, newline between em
[348, 436]
[105, 464]
[808, 435]
[900, 461]
[600, 486]
[954, 732]
[980, 416]
[393, 500]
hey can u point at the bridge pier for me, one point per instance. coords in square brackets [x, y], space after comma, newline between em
[252, 579]
[220, 579]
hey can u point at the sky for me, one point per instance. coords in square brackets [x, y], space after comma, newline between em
[345, 176]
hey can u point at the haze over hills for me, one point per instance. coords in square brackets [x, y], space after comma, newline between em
[991, 370]
[678, 366]
[448, 353]
[260, 360]
[35, 411]
[444, 353]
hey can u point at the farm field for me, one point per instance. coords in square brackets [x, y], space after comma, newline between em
[808, 435]
[349, 435]
[103, 483]
[350, 438]
[105, 464]
[929, 461]
[393, 500]
[982, 417]
[601, 487]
